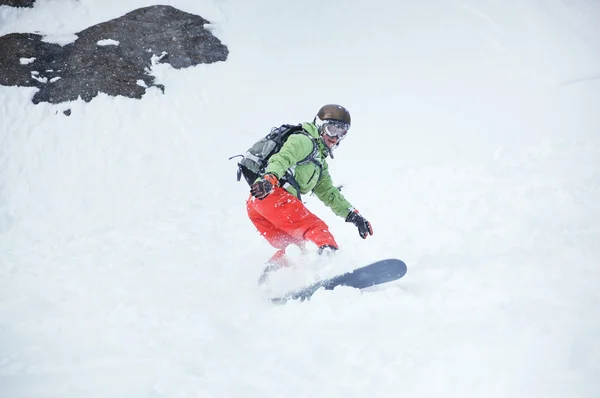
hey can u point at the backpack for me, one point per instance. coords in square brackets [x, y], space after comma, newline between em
[254, 162]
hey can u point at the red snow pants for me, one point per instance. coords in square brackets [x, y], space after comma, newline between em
[283, 220]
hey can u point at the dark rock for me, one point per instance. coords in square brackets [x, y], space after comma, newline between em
[17, 3]
[84, 68]
[67, 112]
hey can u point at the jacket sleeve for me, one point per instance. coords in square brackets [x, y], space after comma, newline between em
[294, 149]
[331, 195]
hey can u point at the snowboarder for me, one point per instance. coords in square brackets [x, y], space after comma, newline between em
[274, 206]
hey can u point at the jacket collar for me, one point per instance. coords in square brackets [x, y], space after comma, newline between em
[313, 130]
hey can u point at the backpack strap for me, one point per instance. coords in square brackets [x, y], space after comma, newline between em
[288, 177]
[312, 157]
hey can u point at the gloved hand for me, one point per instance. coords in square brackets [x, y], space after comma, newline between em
[263, 187]
[364, 227]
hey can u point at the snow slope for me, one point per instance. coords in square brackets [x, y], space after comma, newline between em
[128, 265]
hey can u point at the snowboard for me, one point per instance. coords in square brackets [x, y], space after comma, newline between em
[370, 275]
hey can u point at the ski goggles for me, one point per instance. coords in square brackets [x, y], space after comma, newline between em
[335, 128]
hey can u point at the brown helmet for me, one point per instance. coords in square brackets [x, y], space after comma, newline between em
[334, 112]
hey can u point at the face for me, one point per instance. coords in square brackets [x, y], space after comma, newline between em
[331, 142]
[333, 133]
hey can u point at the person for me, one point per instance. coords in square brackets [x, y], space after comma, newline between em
[274, 206]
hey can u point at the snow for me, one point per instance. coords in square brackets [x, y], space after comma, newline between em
[61, 40]
[35, 75]
[128, 265]
[108, 42]
[26, 61]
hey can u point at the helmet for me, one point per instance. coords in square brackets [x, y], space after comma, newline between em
[334, 112]
[333, 122]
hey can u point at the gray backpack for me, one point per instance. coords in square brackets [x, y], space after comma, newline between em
[253, 163]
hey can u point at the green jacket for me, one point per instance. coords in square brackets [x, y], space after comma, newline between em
[309, 177]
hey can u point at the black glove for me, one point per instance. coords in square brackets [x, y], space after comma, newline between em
[263, 187]
[364, 227]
